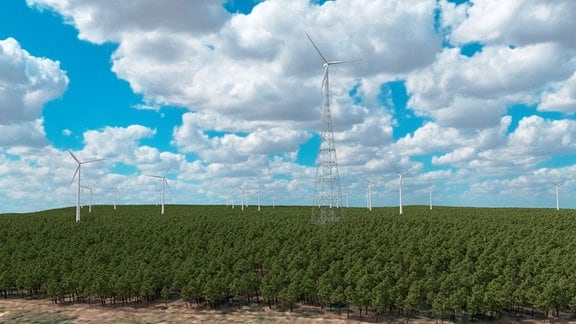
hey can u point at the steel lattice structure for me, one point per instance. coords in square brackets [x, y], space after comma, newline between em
[327, 191]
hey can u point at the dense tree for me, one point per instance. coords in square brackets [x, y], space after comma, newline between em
[447, 262]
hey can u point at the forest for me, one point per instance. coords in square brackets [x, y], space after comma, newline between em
[445, 263]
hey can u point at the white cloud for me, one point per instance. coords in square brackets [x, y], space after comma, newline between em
[26, 133]
[252, 82]
[101, 21]
[541, 137]
[562, 98]
[26, 83]
[517, 22]
[473, 92]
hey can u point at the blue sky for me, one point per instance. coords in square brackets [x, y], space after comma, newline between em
[480, 103]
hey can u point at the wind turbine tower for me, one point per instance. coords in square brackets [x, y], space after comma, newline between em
[244, 197]
[556, 185]
[78, 172]
[115, 193]
[430, 191]
[259, 194]
[91, 194]
[400, 175]
[327, 192]
[369, 193]
[164, 183]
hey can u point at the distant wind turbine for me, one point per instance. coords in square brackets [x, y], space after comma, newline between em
[78, 172]
[259, 192]
[556, 185]
[244, 196]
[232, 188]
[89, 188]
[164, 182]
[115, 192]
[430, 191]
[369, 193]
[400, 175]
[347, 198]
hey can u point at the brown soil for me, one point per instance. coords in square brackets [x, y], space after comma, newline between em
[14, 310]
[43, 311]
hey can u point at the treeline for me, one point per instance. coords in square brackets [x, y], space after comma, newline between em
[443, 263]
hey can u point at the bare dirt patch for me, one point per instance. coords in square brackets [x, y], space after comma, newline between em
[43, 311]
[14, 310]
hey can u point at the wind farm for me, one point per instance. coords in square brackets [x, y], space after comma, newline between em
[233, 161]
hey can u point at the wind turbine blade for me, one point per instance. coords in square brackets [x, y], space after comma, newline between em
[75, 173]
[166, 182]
[74, 157]
[154, 176]
[341, 62]
[317, 49]
[170, 168]
[395, 168]
[95, 183]
[91, 161]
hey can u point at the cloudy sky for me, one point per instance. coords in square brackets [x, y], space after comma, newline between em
[473, 98]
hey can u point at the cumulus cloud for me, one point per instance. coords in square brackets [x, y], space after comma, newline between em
[252, 87]
[561, 98]
[474, 91]
[26, 83]
[517, 22]
[102, 21]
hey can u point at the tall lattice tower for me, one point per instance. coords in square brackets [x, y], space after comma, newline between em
[327, 192]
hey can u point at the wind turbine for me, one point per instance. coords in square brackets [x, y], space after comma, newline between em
[232, 188]
[556, 185]
[115, 192]
[347, 198]
[369, 193]
[244, 196]
[164, 182]
[259, 192]
[78, 172]
[400, 175]
[90, 190]
[327, 191]
[430, 191]
[157, 194]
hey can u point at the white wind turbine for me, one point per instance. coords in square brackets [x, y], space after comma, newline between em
[327, 192]
[369, 193]
[164, 182]
[259, 192]
[244, 196]
[157, 193]
[232, 188]
[347, 198]
[430, 191]
[556, 186]
[400, 175]
[78, 172]
[90, 188]
[115, 192]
